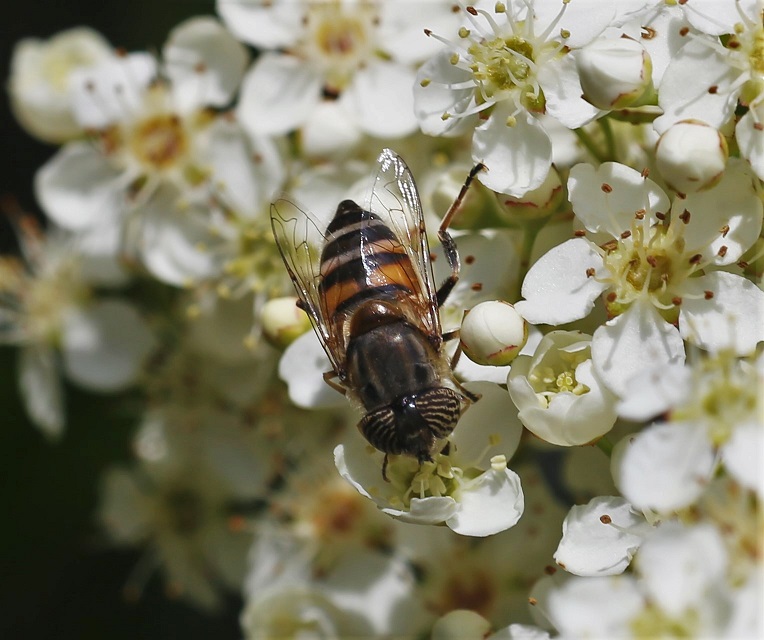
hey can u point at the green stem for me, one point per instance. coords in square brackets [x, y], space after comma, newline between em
[607, 131]
[585, 139]
[604, 445]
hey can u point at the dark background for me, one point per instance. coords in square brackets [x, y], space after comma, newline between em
[59, 578]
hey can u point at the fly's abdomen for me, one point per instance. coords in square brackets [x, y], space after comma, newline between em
[363, 260]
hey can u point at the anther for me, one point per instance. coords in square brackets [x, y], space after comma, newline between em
[648, 33]
[696, 258]
[685, 216]
[722, 251]
[606, 187]
[640, 214]
[471, 10]
[645, 173]
[758, 126]
[708, 294]
[532, 601]
[650, 259]
[660, 215]
[724, 230]
[424, 82]
[477, 286]
[713, 89]
[464, 32]
[605, 519]
[469, 259]
[550, 570]
[676, 301]
[428, 32]
[684, 31]
[625, 234]
[611, 297]
[590, 272]
[579, 233]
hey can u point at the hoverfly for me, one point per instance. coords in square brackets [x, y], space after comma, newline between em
[366, 281]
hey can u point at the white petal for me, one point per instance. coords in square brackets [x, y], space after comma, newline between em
[518, 157]
[265, 25]
[381, 99]
[104, 345]
[437, 97]
[247, 171]
[679, 565]
[750, 138]
[591, 547]
[577, 608]
[489, 427]
[733, 318]
[557, 288]
[562, 90]
[172, 239]
[39, 79]
[490, 503]
[717, 17]
[112, 91]
[302, 367]
[733, 205]
[743, 456]
[278, 94]
[78, 186]
[612, 208]
[204, 64]
[684, 91]
[637, 339]
[665, 467]
[655, 390]
[41, 389]
[401, 33]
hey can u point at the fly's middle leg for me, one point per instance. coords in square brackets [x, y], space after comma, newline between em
[449, 246]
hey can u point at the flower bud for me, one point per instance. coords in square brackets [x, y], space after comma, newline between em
[537, 203]
[460, 623]
[615, 73]
[283, 321]
[691, 156]
[493, 333]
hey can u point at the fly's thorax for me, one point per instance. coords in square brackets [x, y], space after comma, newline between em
[388, 358]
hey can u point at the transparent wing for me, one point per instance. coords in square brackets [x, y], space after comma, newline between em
[300, 238]
[395, 199]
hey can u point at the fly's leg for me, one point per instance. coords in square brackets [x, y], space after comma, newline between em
[329, 379]
[449, 246]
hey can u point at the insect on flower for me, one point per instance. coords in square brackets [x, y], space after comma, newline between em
[366, 281]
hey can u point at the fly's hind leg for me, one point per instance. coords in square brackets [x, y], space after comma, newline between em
[449, 246]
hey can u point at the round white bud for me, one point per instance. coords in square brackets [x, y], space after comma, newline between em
[460, 623]
[283, 321]
[493, 333]
[691, 156]
[614, 73]
[537, 203]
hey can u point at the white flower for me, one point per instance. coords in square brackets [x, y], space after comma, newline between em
[713, 407]
[492, 333]
[680, 591]
[181, 499]
[656, 270]
[560, 396]
[708, 77]
[47, 308]
[357, 52]
[509, 66]
[41, 77]
[600, 538]
[470, 488]
[157, 139]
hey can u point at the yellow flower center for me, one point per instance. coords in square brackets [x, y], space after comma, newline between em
[160, 141]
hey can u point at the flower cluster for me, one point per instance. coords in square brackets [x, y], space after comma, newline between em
[607, 482]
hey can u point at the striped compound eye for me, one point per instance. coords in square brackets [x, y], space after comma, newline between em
[415, 424]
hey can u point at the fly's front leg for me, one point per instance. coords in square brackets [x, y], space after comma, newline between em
[449, 246]
[329, 377]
